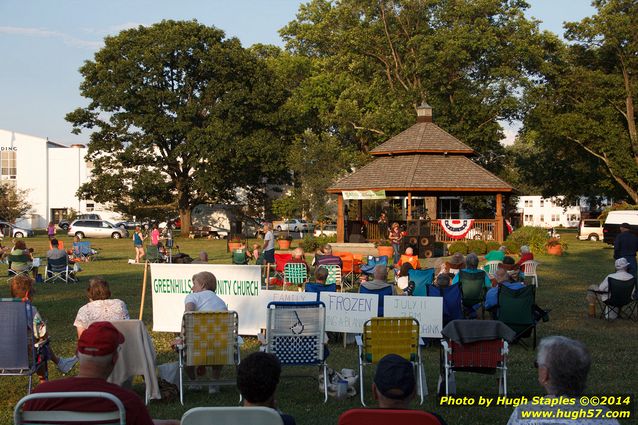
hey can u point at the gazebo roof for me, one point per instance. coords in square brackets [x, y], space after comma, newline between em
[423, 137]
[422, 172]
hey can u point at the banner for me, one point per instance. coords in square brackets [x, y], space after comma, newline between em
[239, 287]
[363, 194]
[347, 311]
[456, 229]
[427, 310]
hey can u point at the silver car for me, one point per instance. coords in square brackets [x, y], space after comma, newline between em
[96, 229]
[16, 232]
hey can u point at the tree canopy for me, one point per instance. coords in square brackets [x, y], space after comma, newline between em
[13, 202]
[582, 120]
[180, 115]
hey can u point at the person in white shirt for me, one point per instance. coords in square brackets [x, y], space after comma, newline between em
[621, 265]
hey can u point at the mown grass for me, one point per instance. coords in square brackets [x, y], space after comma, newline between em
[563, 281]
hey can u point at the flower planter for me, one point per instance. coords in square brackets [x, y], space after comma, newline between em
[284, 244]
[385, 250]
[555, 250]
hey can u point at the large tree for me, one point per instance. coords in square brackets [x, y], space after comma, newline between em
[376, 60]
[180, 115]
[13, 202]
[584, 112]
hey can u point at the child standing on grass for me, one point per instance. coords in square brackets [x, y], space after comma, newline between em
[22, 287]
[138, 243]
[51, 230]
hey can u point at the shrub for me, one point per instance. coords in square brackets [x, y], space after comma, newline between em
[477, 246]
[491, 246]
[513, 247]
[310, 244]
[457, 246]
[534, 237]
[438, 249]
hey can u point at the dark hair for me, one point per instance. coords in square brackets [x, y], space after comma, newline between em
[98, 289]
[405, 269]
[21, 286]
[258, 376]
[321, 274]
[508, 260]
[20, 245]
[54, 242]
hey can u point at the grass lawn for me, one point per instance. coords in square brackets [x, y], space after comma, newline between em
[563, 282]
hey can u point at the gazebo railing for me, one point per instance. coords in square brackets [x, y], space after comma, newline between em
[482, 229]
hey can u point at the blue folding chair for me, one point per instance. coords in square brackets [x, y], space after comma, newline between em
[318, 288]
[380, 292]
[452, 303]
[368, 269]
[422, 279]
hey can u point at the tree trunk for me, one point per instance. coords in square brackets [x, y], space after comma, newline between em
[185, 217]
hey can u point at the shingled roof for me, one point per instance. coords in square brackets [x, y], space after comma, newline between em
[423, 137]
[432, 173]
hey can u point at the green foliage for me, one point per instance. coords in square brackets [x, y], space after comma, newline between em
[617, 206]
[513, 246]
[13, 202]
[287, 206]
[477, 246]
[310, 243]
[458, 246]
[179, 115]
[580, 133]
[491, 246]
[534, 237]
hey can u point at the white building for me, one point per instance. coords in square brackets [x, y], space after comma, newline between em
[49, 171]
[546, 212]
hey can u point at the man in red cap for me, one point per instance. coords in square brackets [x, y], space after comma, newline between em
[97, 352]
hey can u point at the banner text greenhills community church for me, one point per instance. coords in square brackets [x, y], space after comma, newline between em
[238, 287]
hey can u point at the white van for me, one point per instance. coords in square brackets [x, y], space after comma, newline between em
[590, 229]
[615, 219]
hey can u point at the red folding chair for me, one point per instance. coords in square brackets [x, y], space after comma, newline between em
[387, 416]
[280, 264]
[487, 356]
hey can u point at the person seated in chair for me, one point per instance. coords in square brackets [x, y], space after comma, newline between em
[410, 258]
[526, 255]
[454, 265]
[98, 352]
[257, 379]
[394, 385]
[327, 259]
[378, 286]
[472, 261]
[403, 280]
[55, 253]
[496, 254]
[202, 258]
[621, 273]
[319, 285]
[513, 282]
[563, 365]
[298, 256]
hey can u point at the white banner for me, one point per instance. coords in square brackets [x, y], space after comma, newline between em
[238, 286]
[427, 310]
[347, 312]
[363, 194]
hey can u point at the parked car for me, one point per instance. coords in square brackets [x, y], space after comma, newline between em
[64, 223]
[611, 228]
[590, 229]
[127, 225]
[252, 227]
[16, 232]
[294, 225]
[96, 229]
[328, 230]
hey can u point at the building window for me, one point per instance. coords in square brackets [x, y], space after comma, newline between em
[90, 207]
[449, 208]
[542, 202]
[542, 218]
[528, 203]
[8, 165]
[529, 218]
[555, 217]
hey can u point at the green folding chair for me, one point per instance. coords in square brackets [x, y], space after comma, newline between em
[516, 310]
[239, 257]
[472, 291]
[334, 275]
[295, 274]
[153, 255]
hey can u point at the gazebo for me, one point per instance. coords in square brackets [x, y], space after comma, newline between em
[422, 161]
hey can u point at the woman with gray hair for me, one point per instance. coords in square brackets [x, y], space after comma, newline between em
[563, 365]
[526, 255]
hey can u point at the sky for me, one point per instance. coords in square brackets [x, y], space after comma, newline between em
[43, 43]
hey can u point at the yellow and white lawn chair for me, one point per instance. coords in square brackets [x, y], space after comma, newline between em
[209, 338]
[390, 335]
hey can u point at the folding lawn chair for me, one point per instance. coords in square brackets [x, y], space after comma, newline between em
[334, 275]
[381, 293]
[422, 279]
[83, 251]
[390, 335]
[59, 269]
[231, 416]
[472, 291]
[18, 356]
[348, 274]
[295, 335]
[116, 416]
[387, 416]
[295, 274]
[319, 288]
[475, 346]
[452, 302]
[619, 299]
[22, 258]
[368, 269]
[280, 263]
[210, 338]
[239, 257]
[153, 255]
[516, 310]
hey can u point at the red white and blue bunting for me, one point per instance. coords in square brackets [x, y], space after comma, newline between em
[456, 229]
